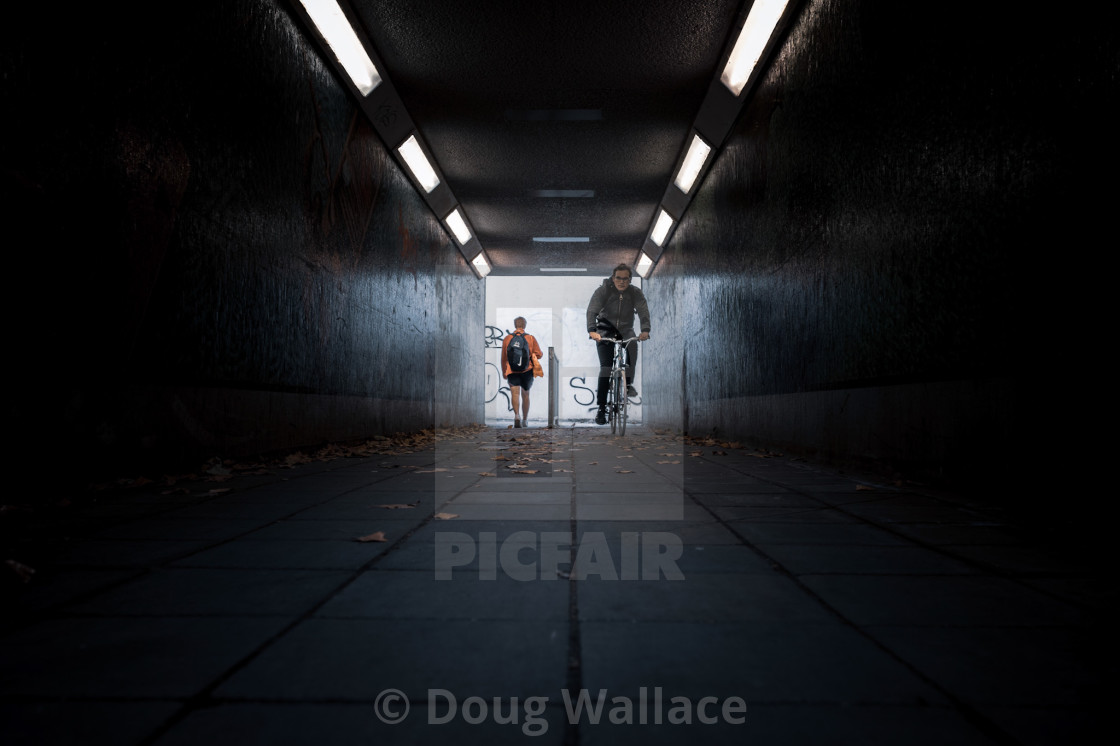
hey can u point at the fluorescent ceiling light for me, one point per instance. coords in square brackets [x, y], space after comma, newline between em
[661, 228]
[561, 239]
[563, 193]
[555, 115]
[347, 48]
[458, 226]
[756, 32]
[644, 263]
[481, 265]
[693, 161]
[563, 269]
[418, 163]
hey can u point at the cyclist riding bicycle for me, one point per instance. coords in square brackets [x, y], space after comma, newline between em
[610, 313]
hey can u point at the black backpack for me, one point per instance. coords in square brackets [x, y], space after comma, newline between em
[606, 328]
[517, 352]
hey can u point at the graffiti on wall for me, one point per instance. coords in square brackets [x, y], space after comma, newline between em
[583, 391]
[493, 337]
[582, 394]
[495, 387]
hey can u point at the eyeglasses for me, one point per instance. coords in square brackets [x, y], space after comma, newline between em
[621, 279]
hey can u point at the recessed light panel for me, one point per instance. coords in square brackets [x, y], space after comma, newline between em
[693, 161]
[344, 43]
[481, 265]
[458, 226]
[418, 163]
[661, 228]
[757, 30]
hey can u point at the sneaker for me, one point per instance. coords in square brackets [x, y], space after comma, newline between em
[631, 391]
[601, 417]
[517, 423]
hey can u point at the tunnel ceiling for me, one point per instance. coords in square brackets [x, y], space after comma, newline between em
[553, 119]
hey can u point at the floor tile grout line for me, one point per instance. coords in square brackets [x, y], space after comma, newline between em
[204, 696]
[982, 567]
[58, 609]
[967, 711]
[574, 675]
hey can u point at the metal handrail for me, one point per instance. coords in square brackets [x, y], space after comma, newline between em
[553, 388]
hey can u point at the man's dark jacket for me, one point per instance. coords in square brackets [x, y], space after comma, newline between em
[617, 309]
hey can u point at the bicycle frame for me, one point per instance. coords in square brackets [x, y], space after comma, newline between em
[617, 400]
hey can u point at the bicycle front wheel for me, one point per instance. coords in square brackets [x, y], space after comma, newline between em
[624, 403]
[618, 394]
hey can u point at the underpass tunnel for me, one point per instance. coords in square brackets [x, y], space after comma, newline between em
[226, 259]
[881, 290]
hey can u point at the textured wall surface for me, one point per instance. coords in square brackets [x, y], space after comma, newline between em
[225, 259]
[869, 269]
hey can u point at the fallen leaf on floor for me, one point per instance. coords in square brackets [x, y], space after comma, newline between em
[696, 453]
[720, 453]
[525, 471]
[375, 536]
[624, 471]
[487, 474]
[668, 462]
[22, 571]
[593, 463]
[624, 457]
[446, 516]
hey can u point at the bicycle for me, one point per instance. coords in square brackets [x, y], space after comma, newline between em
[617, 400]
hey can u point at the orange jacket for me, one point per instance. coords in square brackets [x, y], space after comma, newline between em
[534, 349]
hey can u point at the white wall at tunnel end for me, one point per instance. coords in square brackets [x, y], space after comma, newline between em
[555, 310]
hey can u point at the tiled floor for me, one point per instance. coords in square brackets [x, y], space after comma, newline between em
[525, 574]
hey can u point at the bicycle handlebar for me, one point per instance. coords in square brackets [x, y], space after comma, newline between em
[623, 341]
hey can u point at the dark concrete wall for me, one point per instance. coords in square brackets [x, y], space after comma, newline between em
[217, 255]
[876, 270]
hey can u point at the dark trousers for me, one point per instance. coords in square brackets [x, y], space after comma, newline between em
[606, 360]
